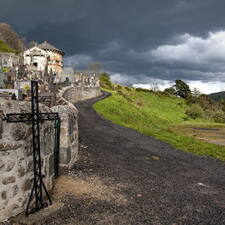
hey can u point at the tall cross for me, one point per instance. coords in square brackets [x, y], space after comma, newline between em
[35, 118]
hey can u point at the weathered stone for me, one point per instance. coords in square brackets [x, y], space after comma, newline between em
[28, 132]
[4, 153]
[18, 131]
[30, 166]
[26, 185]
[8, 180]
[14, 207]
[4, 195]
[10, 165]
[65, 155]
[15, 190]
[21, 171]
[2, 164]
[28, 150]
[51, 165]
[9, 146]
[22, 201]
[22, 166]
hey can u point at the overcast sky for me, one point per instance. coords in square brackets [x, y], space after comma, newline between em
[137, 41]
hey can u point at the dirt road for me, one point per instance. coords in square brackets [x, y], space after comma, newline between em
[124, 177]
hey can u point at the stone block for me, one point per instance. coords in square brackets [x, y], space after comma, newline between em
[10, 165]
[15, 190]
[18, 131]
[9, 180]
[4, 195]
[28, 150]
[65, 155]
[21, 171]
[30, 165]
[51, 166]
[2, 164]
[26, 185]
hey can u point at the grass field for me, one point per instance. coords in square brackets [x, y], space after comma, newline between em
[159, 116]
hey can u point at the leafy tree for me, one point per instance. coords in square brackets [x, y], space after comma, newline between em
[105, 81]
[195, 93]
[170, 90]
[182, 89]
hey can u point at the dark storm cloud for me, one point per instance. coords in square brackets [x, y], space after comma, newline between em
[130, 38]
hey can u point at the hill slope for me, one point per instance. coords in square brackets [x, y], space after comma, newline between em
[156, 115]
[217, 96]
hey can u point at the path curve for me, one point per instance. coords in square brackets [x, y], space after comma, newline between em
[161, 185]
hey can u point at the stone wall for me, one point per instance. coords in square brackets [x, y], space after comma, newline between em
[16, 161]
[68, 134]
[76, 94]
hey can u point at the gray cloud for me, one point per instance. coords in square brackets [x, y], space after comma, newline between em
[136, 39]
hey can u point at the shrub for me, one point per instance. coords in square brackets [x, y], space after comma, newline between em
[219, 117]
[127, 88]
[195, 111]
[144, 90]
[117, 87]
[170, 91]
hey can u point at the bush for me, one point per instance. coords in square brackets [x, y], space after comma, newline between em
[195, 111]
[117, 87]
[219, 117]
[144, 90]
[170, 91]
[127, 88]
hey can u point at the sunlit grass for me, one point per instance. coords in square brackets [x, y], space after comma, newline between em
[154, 114]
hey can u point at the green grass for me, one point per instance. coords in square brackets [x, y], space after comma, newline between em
[154, 114]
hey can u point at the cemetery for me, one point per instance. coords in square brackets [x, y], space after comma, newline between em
[38, 125]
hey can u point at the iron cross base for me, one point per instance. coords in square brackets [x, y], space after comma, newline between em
[27, 118]
[35, 118]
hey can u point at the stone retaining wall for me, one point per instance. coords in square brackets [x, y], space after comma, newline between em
[16, 161]
[75, 94]
[68, 134]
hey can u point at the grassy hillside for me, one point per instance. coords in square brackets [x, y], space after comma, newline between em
[5, 48]
[158, 115]
[217, 96]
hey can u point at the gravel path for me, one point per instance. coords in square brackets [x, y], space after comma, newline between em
[137, 180]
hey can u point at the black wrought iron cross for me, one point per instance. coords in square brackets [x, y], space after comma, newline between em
[35, 118]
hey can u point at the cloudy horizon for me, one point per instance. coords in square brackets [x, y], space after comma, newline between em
[137, 42]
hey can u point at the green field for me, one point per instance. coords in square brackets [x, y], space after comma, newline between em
[157, 115]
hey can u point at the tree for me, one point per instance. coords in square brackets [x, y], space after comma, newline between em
[193, 98]
[195, 93]
[182, 89]
[170, 90]
[10, 37]
[154, 86]
[105, 81]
